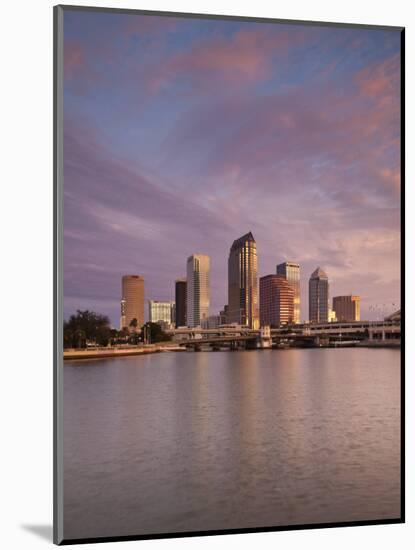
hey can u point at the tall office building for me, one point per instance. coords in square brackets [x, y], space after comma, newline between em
[347, 308]
[318, 297]
[132, 300]
[181, 302]
[276, 301]
[243, 282]
[161, 312]
[198, 266]
[291, 271]
[122, 318]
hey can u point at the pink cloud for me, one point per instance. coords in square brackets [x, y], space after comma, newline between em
[351, 145]
[392, 178]
[74, 58]
[245, 56]
[381, 80]
[80, 67]
[148, 25]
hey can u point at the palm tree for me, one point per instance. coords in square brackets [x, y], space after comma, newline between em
[134, 324]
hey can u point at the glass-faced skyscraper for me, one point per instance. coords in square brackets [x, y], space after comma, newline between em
[243, 282]
[291, 271]
[318, 297]
[181, 302]
[198, 266]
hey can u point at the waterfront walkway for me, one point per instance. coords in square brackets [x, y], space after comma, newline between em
[100, 353]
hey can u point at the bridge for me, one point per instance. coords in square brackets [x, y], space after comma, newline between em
[313, 334]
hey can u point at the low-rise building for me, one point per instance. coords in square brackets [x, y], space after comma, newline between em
[276, 301]
[161, 312]
[347, 308]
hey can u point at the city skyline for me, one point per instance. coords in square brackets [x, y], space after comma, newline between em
[294, 282]
[321, 307]
[222, 127]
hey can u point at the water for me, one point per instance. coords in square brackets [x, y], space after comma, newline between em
[224, 440]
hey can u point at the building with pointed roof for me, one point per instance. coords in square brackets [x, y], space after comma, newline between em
[243, 307]
[318, 297]
[319, 273]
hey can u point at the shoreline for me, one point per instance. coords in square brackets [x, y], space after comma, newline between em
[76, 355]
[108, 353]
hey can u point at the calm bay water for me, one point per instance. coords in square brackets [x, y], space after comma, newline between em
[222, 440]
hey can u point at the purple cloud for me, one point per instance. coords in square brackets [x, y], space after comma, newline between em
[182, 135]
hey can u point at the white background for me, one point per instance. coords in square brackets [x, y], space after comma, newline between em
[26, 272]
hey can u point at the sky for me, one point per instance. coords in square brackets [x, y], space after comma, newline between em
[182, 134]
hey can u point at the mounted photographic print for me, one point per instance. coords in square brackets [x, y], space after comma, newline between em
[228, 286]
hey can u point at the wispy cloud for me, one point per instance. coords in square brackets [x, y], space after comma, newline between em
[180, 135]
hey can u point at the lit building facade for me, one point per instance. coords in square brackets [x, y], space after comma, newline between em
[276, 301]
[291, 271]
[198, 267]
[181, 302]
[332, 316]
[132, 300]
[243, 282]
[318, 297]
[347, 308]
[161, 312]
[122, 318]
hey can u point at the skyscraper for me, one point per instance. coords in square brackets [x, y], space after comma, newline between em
[197, 289]
[181, 302]
[122, 318]
[161, 312]
[243, 282]
[133, 298]
[318, 297]
[291, 271]
[347, 308]
[276, 301]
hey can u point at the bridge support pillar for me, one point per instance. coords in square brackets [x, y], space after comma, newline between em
[321, 341]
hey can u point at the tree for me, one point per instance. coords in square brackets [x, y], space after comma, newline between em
[86, 326]
[113, 336]
[134, 324]
[123, 333]
[154, 333]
